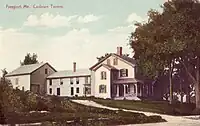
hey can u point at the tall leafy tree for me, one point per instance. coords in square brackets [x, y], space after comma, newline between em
[169, 37]
[29, 59]
[151, 44]
[185, 28]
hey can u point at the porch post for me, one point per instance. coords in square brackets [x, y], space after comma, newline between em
[136, 89]
[141, 87]
[124, 90]
[117, 90]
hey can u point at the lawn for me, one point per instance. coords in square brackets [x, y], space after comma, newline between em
[65, 112]
[161, 107]
[19, 107]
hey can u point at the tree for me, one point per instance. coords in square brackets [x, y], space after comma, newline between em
[29, 59]
[185, 28]
[4, 72]
[150, 47]
[169, 37]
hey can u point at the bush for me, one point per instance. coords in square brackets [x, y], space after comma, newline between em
[9, 100]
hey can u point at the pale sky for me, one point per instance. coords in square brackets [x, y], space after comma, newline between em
[79, 32]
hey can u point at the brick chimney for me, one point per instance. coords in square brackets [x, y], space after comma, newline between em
[119, 51]
[74, 66]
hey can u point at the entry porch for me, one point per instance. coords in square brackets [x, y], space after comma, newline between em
[129, 89]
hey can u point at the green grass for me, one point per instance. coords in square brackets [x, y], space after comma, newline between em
[161, 107]
[62, 110]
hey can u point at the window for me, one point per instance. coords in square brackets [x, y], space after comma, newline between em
[102, 88]
[115, 61]
[77, 80]
[50, 82]
[50, 90]
[17, 81]
[108, 61]
[61, 82]
[71, 80]
[58, 91]
[124, 73]
[72, 91]
[46, 71]
[103, 75]
[77, 90]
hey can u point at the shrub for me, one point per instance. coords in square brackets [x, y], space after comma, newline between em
[9, 100]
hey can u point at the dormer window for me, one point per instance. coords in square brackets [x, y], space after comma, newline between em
[124, 73]
[115, 61]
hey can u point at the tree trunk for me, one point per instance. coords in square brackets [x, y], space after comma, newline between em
[170, 83]
[188, 95]
[197, 91]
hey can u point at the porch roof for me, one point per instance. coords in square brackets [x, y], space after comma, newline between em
[127, 80]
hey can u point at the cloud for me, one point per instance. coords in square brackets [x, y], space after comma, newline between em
[88, 18]
[123, 29]
[129, 24]
[49, 20]
[133, 18]
[54, 21]
[79, 45]
[14, 45]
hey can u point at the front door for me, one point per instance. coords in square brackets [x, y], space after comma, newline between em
[58, 91]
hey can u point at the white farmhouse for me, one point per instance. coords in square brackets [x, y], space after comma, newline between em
[114, 77]
[76, 82]
[31, 77]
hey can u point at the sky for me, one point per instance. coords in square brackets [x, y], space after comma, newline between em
[68, 30]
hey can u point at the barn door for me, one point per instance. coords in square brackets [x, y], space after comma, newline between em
[35, 88]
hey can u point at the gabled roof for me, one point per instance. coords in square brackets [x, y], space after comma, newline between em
[109, 67]
[126, 59]
[27, 69]
[70, 73]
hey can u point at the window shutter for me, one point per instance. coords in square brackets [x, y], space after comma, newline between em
[126, 72]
